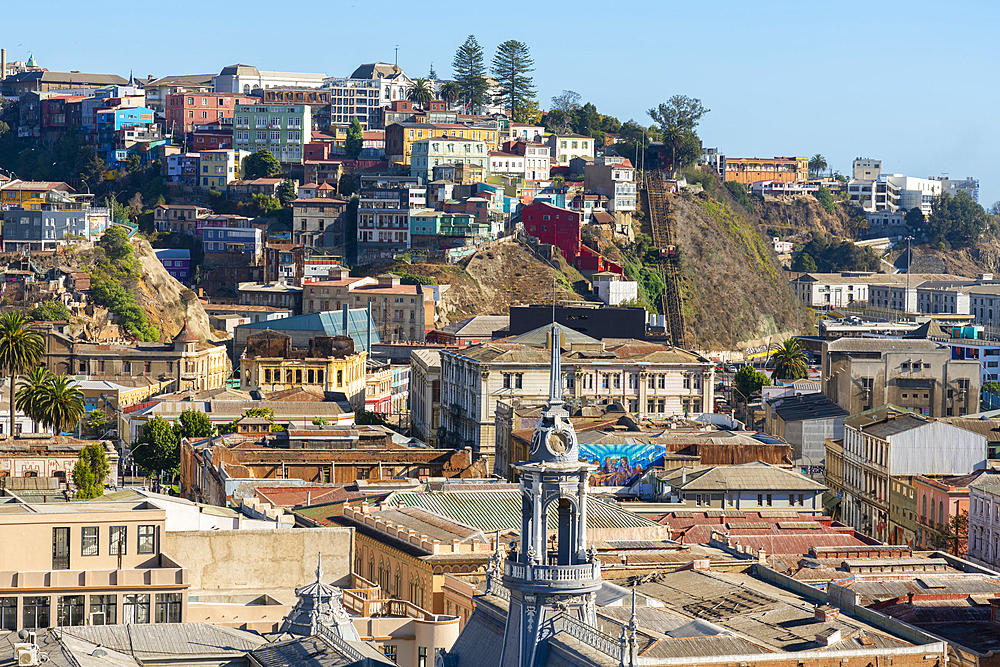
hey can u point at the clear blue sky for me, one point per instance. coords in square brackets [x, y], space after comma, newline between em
[907, 82]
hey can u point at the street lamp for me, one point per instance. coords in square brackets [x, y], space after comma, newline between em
[909, 261]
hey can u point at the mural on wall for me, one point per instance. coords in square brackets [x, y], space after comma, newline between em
[621, 464]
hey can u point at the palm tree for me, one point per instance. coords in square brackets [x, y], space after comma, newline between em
[817, 163]
[420, 92]
[21, 347]
[30, 388]
[60, 403]
[449, 92]
[789, 361]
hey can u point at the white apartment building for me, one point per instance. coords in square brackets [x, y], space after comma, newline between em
[281, 129]
[885, 442]
[866, 169]
[833, 289]
[612, 290]
[645, 378]
[894, 192]
[384, 215]
[523, 132]
[984, 525]
[506, 164]
[952, 187]
[425, 154]
[247, 79]
[613, 179]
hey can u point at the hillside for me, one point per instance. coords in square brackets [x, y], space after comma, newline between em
[166, 302]
[496, 278]
[732, 285]
[802, 215]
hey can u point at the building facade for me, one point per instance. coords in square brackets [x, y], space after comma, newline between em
[283, 130]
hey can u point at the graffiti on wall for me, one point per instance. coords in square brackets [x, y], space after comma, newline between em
[621, 464]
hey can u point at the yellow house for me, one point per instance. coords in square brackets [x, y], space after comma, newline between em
[331, 364]
[29, 194]
[399, 137]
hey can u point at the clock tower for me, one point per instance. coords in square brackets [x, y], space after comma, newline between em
[546, 577]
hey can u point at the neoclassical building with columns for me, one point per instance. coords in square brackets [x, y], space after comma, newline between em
[646, 379]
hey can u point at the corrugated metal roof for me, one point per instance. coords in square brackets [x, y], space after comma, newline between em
[145, 640]
[501, 510]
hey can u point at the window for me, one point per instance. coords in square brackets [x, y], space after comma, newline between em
[89, 536]
[168, 607]
[390, 652]
[8, 613]
[103, 609]
[36, 611]
[69, 610]
[116, 541]
[136, 608]
[769, 500]
[760, 499]
[421, 656]
[60, 548]
[147, 539]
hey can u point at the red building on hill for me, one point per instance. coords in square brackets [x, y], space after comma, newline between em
[561, 227]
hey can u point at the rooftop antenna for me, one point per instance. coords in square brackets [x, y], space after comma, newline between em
[396, 61]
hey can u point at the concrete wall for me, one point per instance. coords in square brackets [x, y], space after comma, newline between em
[255, 559]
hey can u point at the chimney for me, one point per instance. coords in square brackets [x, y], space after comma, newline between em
[828, 637]
[825, 613]
[3, 64]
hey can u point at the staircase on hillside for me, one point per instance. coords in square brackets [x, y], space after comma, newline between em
[665, 240]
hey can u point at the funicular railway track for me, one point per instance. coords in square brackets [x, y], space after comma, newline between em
[664, 238]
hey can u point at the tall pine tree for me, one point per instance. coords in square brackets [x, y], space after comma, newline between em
[512, 66]
[470, 74]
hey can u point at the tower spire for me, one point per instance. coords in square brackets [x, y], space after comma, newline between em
[555, 370]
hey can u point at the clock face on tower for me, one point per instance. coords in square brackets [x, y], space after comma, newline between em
[557, 442]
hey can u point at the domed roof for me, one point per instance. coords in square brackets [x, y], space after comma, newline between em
[185, 335]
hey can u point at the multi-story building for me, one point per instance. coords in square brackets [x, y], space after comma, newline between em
[555, 226]
[187, 110]
[99, 564]
[615, 180]
[565, 147]
[919, 375]
[952, 187]
[875, 191]
[940, 500]
[248, 80]
[752, 169]
[218, 168]
[111, 121]
[425, 394]
[400, 312]
[177, 262]
[320, 221]
[283, 130]
[248, 242]
[647, 379]
[399, 137]
[185, 359]
[984, 525]
[56, 222]
[751, 487]
[330, 364]
[28, 193]
[276, 295]
[427, 222]
[158, 90]
[866, 169]
[384, 215]
[887, 442]
[179, 218]
[446, 149]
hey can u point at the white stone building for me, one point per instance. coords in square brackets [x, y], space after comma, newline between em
[984, 525]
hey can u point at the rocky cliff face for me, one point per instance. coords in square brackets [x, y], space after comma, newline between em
[166, 301]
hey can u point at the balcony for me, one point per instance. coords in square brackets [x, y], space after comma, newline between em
[553, 574]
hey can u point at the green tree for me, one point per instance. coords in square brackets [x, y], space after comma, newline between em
[30, 388]
[790, 361]
[50, 311]
[286, 192]
[432, 75]
[954, 534]
[678, 117]
[116, 244]
[512, 67]
[470, 73]
[193, 424]
[355, 138]
[817, 164]
[825, 199]
[261, 164]
[264, 206]
[91, 471]
[958, 220]
[915, 219]
[587, 121]
[739, 193]
[266, 413]
[21, 348]
[567, 101]
[804, 263]
[60, 404]
[449, 92]
[158, 448]
[420, 92]
[748, 380]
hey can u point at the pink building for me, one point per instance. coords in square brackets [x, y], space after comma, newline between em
[938, 500]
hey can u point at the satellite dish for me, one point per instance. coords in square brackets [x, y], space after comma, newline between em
[23, 634]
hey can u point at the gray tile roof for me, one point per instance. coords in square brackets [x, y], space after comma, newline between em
[848, 344]
[748, 476]
[161, 639]
[805, 407]
[481, 325]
